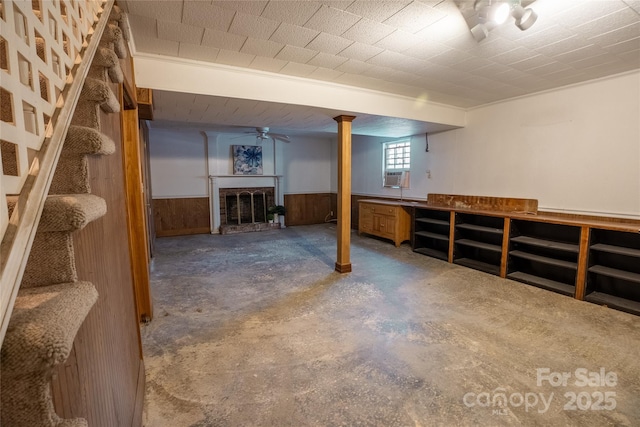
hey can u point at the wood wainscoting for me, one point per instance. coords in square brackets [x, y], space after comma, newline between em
[181, 216]
[313, 208]
[306, 209]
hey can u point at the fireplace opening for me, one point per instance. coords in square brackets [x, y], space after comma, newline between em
[246, 207]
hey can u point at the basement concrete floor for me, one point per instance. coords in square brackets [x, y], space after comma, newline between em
[257, 329]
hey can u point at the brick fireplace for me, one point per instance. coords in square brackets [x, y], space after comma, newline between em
[245, 205]
[245, 209]
[227, 193]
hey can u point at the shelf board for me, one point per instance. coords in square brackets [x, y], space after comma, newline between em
[480, 245]
[541, 282]
[433, 221]
[618, 303]
[432, 253]
[528, 240]
[620, 250]
[478, 265]
[545, 260]
[481, 228]
[614, 272]
[430, 235]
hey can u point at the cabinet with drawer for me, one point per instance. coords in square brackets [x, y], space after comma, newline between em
[386, 219]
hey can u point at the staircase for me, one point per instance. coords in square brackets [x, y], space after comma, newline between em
[43, 301]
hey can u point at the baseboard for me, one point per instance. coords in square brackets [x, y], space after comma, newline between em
[183, 232]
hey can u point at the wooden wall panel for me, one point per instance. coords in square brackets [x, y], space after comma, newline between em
[101, 381]
[176, 217]
[305, 209]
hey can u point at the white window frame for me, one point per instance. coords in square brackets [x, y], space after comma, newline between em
[404, 157]
[400, 158]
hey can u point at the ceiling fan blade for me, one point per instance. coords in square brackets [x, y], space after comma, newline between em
[283, 138]
[280, 136]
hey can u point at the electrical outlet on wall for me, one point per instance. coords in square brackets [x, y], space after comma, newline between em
[428, 173]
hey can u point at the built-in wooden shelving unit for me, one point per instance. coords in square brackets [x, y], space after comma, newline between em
[544, 255]
[613, 277]
[478, 242]
[590, 258]
[431, 232]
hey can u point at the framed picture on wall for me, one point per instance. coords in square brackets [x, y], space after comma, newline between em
[247, 160]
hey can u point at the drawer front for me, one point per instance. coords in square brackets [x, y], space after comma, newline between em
[384, 210]
[366, 207]
[365, 223]
[365, 218]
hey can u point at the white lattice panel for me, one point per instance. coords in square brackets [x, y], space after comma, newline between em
[41, 42]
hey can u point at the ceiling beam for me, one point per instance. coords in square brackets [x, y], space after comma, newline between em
[165, 73]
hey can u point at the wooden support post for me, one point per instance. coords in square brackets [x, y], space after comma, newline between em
[343, 263]
[581, 276]
[452, 235]
[504, 259]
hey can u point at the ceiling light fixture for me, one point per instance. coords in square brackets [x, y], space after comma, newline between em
[492, 13]
[499, 12]
[525, 18]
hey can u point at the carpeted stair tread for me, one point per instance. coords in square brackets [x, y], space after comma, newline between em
[99, 92]
[112, 36]
[117, 16]
[70, 212]
[43, 325]
[72, 172]
[96, 94]
[67, 212]
[86, 140]
[40, 336]
[106, 64]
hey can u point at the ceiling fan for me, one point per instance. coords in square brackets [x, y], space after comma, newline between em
[263, 133]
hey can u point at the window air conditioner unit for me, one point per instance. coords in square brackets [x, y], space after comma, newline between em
[396, 179]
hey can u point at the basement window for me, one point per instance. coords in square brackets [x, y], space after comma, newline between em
[396, 163]
[397, 156]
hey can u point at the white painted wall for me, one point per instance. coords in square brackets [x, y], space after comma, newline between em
[178, 167]
[307, 166]
[366, 178]
[576, 149]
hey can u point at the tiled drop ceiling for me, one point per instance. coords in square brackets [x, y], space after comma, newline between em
[411, 48]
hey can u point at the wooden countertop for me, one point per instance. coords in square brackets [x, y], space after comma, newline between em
[617, 224]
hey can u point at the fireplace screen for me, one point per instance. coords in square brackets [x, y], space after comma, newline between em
[246, 207]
